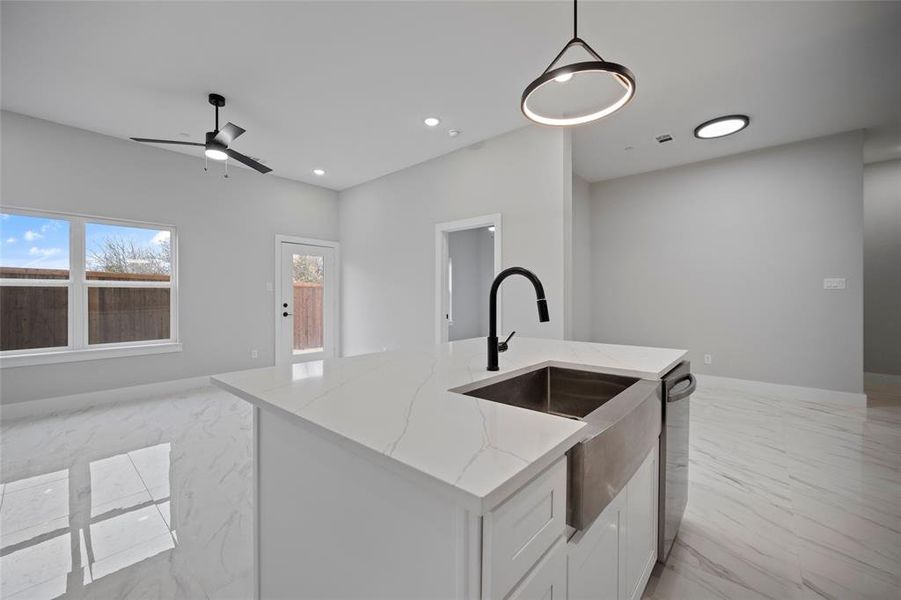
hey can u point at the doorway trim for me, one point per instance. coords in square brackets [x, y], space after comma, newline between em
[441, 256]
[277, 290]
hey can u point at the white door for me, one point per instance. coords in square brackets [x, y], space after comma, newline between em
[307, 303]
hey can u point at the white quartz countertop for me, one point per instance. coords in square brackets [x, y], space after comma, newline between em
[395, 408]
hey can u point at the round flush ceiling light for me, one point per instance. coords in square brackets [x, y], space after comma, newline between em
[721, 126]
[319, 172]
[432, 121]
[215, 154]
[577, 93]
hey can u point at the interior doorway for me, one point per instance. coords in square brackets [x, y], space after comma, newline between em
[307, 300]
[467, 259]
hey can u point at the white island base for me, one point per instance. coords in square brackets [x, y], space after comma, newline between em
[332, 524]
[376, 481]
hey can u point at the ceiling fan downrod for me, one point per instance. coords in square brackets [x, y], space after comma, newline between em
[217, 101]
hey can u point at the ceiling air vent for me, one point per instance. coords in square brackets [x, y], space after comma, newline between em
[664, 138]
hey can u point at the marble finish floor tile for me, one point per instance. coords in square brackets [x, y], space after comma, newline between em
[148, 499]
[793, 493]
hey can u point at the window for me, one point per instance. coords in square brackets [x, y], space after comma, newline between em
[75, 287]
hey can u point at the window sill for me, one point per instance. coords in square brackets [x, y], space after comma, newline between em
[64, 356]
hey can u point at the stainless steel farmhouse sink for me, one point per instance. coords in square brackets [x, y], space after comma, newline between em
[623, 417]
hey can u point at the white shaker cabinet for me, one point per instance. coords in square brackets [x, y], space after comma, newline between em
[613, 558]
[547, 580]
[525, 534]
[639, 539]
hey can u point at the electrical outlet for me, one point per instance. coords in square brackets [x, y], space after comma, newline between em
[708, 359]
[834, 283]
[254, 353]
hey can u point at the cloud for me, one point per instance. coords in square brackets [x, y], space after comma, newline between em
[44, 252]
[161, 237]
[11, 240]
[32, 235]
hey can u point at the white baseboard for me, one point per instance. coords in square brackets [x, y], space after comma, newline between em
[881, 379]
[796, 392]
[60, 404]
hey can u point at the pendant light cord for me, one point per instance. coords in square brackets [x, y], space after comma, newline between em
[575, 18]
[575, 41]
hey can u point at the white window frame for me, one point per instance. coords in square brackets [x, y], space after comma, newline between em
[78, 285]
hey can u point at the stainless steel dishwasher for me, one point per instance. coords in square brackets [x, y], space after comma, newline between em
[678, 386]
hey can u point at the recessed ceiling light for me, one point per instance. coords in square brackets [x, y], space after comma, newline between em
[319, 172]
[721, 126]
[454, 132]
[432, 121]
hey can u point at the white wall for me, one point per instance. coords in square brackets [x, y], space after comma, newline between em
[727, 257]
[882, 267]
[226, 230]
[388, 236]
[472, 254]
[581, 253]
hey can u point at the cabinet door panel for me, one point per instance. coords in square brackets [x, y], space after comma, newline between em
[640, 551]
[547, 581]
[593, 569]
[520, 531]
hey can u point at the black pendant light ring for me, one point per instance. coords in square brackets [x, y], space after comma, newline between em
[621, 73]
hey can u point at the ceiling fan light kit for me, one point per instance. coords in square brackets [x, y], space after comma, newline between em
[216, 145]
[563, 74]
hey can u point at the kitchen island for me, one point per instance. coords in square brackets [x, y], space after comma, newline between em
[375, 480]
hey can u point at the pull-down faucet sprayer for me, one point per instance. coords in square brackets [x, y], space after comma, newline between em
[492, 307]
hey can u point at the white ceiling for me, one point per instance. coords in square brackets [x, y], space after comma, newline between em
[345, 86]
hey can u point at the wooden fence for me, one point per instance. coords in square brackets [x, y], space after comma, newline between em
[307, 315]
[33, 317]
[37, 317]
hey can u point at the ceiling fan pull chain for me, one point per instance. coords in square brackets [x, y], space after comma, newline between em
[226, 168]
[206, 163]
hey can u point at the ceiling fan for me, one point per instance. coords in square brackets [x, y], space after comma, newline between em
[217, 141]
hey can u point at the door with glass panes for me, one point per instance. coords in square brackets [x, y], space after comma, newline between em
[307, 302]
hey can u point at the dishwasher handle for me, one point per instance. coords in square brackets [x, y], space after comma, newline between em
[683, 388]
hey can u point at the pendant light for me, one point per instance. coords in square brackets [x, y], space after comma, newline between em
[580, 84]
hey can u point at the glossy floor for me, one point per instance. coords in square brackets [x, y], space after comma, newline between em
[148, 499]
[794, 493]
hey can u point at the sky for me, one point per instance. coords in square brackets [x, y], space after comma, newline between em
[42, 242]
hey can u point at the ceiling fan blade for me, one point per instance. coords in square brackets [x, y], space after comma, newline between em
[247, 161]
[228, 134]
[152, 141]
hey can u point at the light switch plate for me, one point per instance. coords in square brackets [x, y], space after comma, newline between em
[834, 283]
